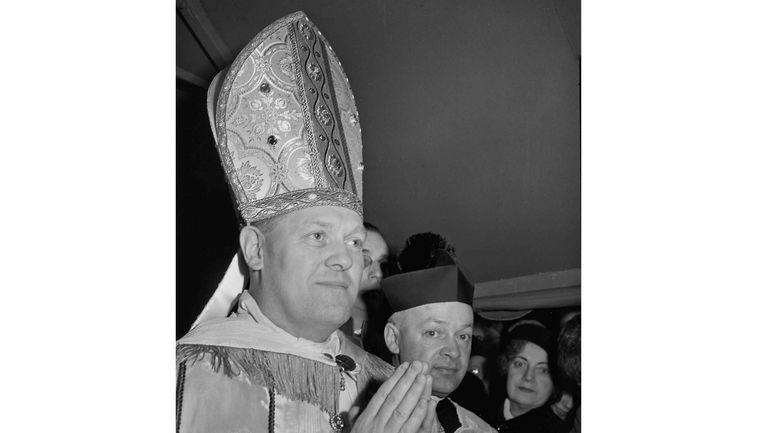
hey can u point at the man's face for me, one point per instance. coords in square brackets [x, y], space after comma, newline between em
[375, 254]
[312, 268]
[439, 334]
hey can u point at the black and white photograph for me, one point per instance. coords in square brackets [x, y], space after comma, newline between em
[375, 216]
[370, 186]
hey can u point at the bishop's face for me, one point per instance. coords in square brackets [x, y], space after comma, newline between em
[312, 268]
[439, 334]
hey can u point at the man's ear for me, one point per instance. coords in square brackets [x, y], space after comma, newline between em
[253, 247]
[391, 337]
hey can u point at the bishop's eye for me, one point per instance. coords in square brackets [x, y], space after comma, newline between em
[357, 244]
[317, 236]
[431, 333]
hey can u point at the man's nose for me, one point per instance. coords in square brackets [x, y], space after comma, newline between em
[376, 271]
[340, 257]
[451, 349]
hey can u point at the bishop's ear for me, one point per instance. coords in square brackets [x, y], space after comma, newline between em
[253, 247]
[391, 337]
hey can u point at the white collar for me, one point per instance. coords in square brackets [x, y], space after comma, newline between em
[507, 410]
[250, 328]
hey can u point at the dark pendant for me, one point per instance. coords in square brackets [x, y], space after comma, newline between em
[346, 362]
[337, 422]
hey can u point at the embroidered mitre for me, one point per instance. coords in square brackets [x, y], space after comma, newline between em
[286, 124]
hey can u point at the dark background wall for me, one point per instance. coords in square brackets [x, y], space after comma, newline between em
[470, 112]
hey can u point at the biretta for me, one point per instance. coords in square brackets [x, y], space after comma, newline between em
[286, 124]
[443, 283]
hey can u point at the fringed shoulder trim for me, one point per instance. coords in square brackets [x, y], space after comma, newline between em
[377, 369]
[294, 377]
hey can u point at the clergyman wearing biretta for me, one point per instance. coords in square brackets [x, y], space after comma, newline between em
[433, 322]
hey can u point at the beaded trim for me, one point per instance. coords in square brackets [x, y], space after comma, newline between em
[271, 411]
[181, 373]
[299, 199]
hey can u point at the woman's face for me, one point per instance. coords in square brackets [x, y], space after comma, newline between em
[529, 382]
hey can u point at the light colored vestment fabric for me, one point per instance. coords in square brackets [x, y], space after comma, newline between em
[227, 369]
[470, 422]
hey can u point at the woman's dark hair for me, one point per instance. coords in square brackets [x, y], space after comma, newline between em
[568, 358]
[509, 353]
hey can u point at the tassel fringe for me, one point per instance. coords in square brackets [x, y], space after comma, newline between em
[293, 377]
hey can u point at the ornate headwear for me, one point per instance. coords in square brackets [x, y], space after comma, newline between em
[444, 283]
[286, 124]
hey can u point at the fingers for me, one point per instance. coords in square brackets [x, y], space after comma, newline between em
[410, 412]
[424, 413]
[390, 405]
[430, 423]
[379, 397]
[401, 403]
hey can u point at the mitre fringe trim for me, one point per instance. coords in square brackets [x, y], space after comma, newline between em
[295, 378]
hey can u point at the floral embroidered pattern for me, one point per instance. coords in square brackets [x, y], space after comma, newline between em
[303, 170]
[323, 115]
[269, 115]
[251, 177]
[314, 71]
[286, 65]
[261, 65]
[306, 31]
[278, 172]
[334, 165]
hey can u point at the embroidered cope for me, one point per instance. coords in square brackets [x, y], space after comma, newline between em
[229, 368]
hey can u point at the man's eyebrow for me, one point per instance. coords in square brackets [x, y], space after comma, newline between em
[381, 258]
[320, 223]
[444, 322]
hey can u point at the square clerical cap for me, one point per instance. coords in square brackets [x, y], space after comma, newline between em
[445, 283]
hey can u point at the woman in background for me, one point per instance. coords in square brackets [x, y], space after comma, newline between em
[527, 361]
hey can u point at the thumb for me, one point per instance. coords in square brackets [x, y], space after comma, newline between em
[353, 414]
